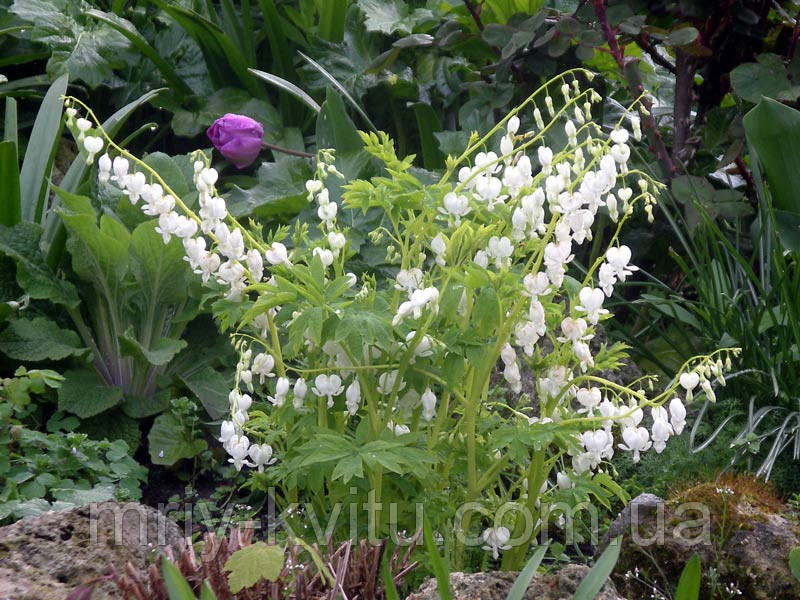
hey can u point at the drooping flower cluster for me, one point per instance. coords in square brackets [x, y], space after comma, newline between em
[480, 267]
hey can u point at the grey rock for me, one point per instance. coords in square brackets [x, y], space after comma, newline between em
[47, 557]
[659, 537]
[495, 585]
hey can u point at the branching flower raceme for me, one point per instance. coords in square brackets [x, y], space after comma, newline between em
[398, 360]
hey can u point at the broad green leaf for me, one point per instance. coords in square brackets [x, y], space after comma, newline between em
[682, 36]
[248, 566]
[39, 339]
[689, 583]
[99, 253]
[772, 129]
[162, 351]
[336, 130]
[169, 441]
[112, 425]
[598, 575]
[280, 191]
[211, 388]
[83, 394]
[767, 77]
[138, 408]
[168, 169]
[158, 268]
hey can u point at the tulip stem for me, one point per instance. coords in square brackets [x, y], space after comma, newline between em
[275, 148]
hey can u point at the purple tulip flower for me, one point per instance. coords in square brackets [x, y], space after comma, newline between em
[238, 138]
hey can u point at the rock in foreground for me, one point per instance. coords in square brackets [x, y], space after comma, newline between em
[495, 585]
[47, 557]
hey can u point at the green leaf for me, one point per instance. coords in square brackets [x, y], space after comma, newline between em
[35, 174]
[176, 585]
[682, 36]
[689, 583]
[158, 268]
[99, 253]
[289, 87]
[211, 388]
[169, 441]
[84, 49]
[440, 568]
[170, 171]
[280, 191]
[39, 339]
[348, 467]
[10, 209]
[21, 243]
[486, 312]
[517, 591]
[768, 77]
[206, 593]
[99, 493]
[140, 407]
[246, 567]
[128, 30]
[598, 575]
[160, 353]
[83, 394]
[188, 123]
[112, 425]
[772, 129]
[794, 562]
[336, 130]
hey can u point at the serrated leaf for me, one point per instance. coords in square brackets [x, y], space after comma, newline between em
[39, 339]
[246, 567]
[83, 394]
[348, 467]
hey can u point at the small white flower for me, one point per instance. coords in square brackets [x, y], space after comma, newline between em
[328, 386]
[261, 455]
[92, 145]
[496, 540]
[278, 255]
[428, 400]
[677, 412]
[353, 397]
[300, 389]
[325, 255]
[637, 440]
